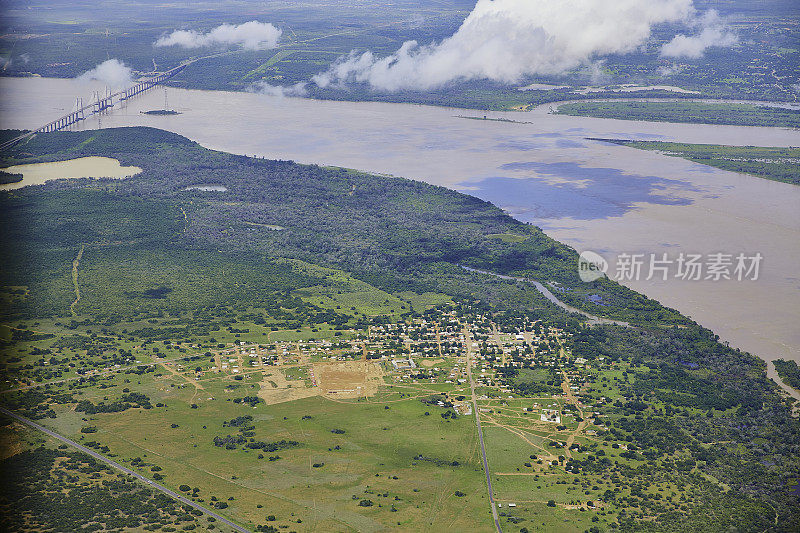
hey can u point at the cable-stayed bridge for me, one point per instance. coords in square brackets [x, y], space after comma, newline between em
[99, 105]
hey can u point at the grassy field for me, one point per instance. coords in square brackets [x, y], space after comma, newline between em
[373, 459]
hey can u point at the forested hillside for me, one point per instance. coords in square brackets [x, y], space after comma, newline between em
[393, 233]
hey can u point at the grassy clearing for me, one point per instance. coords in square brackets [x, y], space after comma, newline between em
[424, 301]
[260, 72]
[369, 301]
[343, 293]
[375, 458]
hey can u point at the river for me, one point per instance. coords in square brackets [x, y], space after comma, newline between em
[542, 169]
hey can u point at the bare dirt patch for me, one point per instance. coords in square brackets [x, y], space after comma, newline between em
[342, 380]
[348, 379]
[275, 388]
[431, 362]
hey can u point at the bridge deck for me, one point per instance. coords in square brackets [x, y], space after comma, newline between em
[101, 104]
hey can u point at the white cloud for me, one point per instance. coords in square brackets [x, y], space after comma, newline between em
[596, 72]
[262, 87]
[670, 70]
[112, 72]
[506, 40]
[713, 32]
[251, 35]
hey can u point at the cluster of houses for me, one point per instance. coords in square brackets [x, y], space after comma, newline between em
[433, 349]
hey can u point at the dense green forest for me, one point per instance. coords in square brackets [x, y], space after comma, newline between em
[686, 407]
[9, 177]
[395, 234]
[789, 372]
[688, 112]
[777, 164]
[162, 267]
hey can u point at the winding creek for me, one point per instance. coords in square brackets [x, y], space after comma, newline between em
[592, 319]
[541, 169]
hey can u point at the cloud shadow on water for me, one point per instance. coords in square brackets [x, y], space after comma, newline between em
[519, 145]
[583, 194]
[566, 143]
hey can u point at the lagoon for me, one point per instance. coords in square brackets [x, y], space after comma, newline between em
[82, 167]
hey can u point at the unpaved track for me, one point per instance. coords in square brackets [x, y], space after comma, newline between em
[75, 264]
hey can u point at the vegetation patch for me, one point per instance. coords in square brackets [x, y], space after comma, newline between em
[789, 372]
[687, 112]
[777, 164]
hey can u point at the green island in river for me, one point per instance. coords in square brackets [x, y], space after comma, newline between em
[689, 112]
[776, 164]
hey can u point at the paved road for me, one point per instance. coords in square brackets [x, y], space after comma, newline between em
[121, 468]
[550, 296]
[468, 342]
